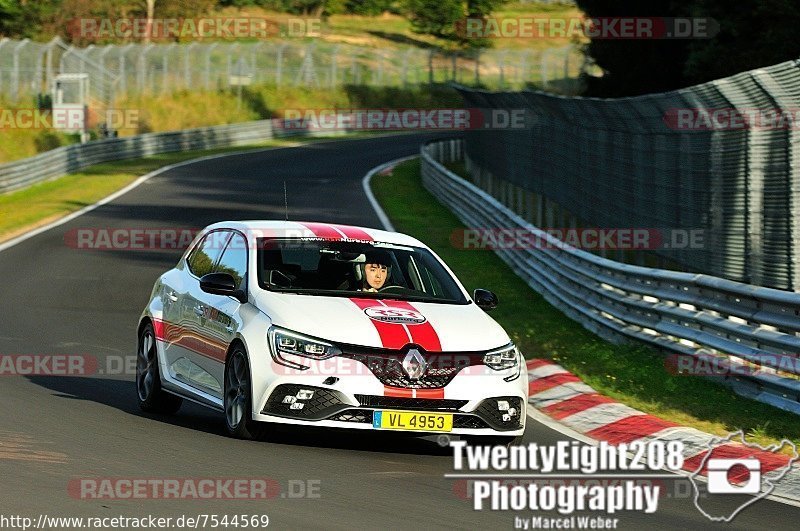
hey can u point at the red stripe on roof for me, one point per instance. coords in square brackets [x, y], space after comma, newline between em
[354, 233]
[630, 428]
[322, 230]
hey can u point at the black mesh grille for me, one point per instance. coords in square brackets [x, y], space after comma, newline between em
[419, 404]
[387, 366]
[469, 422]
[489, 411]
[354, 415]
[322, 404]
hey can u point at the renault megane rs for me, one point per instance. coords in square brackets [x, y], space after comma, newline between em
[327, 325]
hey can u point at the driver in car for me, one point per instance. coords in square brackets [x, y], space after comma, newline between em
[377, 269]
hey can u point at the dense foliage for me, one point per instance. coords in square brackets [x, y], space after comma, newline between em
[752, 33]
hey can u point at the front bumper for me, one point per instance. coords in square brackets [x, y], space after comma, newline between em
[302, 404]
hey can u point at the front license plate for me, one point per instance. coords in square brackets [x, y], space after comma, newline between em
[412, 421]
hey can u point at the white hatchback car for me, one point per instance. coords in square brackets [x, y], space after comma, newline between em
[285, 322]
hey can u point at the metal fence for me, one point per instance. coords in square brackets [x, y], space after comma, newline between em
[753, 332]
[27, 67]
[69, 159]
[629, 162]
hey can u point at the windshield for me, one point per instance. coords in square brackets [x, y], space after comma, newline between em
[335, 268]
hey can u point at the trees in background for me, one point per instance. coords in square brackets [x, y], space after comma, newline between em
[445, 18]
[23, 18]
[752, 33]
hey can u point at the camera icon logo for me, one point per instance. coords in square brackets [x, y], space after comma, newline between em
[725, 476]
[754, 474]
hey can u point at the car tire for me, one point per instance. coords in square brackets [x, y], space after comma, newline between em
[492, 440]
[237, 398]
[151, 397]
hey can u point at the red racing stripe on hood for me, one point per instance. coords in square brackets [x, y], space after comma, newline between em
[423, 334]
[393, 335]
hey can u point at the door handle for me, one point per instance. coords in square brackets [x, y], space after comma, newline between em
[198, 311]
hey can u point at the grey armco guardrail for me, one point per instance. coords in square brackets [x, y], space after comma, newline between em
[69, 159]
[746, 331]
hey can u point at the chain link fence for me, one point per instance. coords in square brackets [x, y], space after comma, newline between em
[27, 68]
[677, 160]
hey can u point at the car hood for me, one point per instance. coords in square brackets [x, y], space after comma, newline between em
[384, 323]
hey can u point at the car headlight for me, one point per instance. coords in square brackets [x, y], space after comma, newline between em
[286, 344]
[505, 359]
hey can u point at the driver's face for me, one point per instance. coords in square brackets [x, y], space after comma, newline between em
[376, 275]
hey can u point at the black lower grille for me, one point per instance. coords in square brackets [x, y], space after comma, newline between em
[322, 404]
[354, 415]
[469, 422]
[419, 404]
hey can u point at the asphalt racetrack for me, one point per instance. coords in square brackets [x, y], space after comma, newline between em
[55, 430]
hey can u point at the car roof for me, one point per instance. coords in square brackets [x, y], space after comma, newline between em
[311, 229]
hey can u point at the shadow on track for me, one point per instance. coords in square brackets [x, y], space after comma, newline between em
[121, 395]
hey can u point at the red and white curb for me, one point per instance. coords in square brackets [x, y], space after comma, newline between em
[563, 399]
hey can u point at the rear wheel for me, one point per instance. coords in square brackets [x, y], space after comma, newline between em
[152, 398]
[237, 400]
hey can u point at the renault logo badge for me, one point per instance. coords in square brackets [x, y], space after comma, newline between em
[414, 364]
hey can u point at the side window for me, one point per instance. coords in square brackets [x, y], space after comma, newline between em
[202, 259]
[234, 259]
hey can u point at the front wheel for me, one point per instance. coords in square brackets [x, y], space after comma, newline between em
[152, 398]
[237, 401]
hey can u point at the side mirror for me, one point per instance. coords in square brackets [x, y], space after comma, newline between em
[222, 284]
[485, 299]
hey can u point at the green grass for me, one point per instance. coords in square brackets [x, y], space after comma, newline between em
[42, 203]
[393, 31]
[168, 112]
[634, 375]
